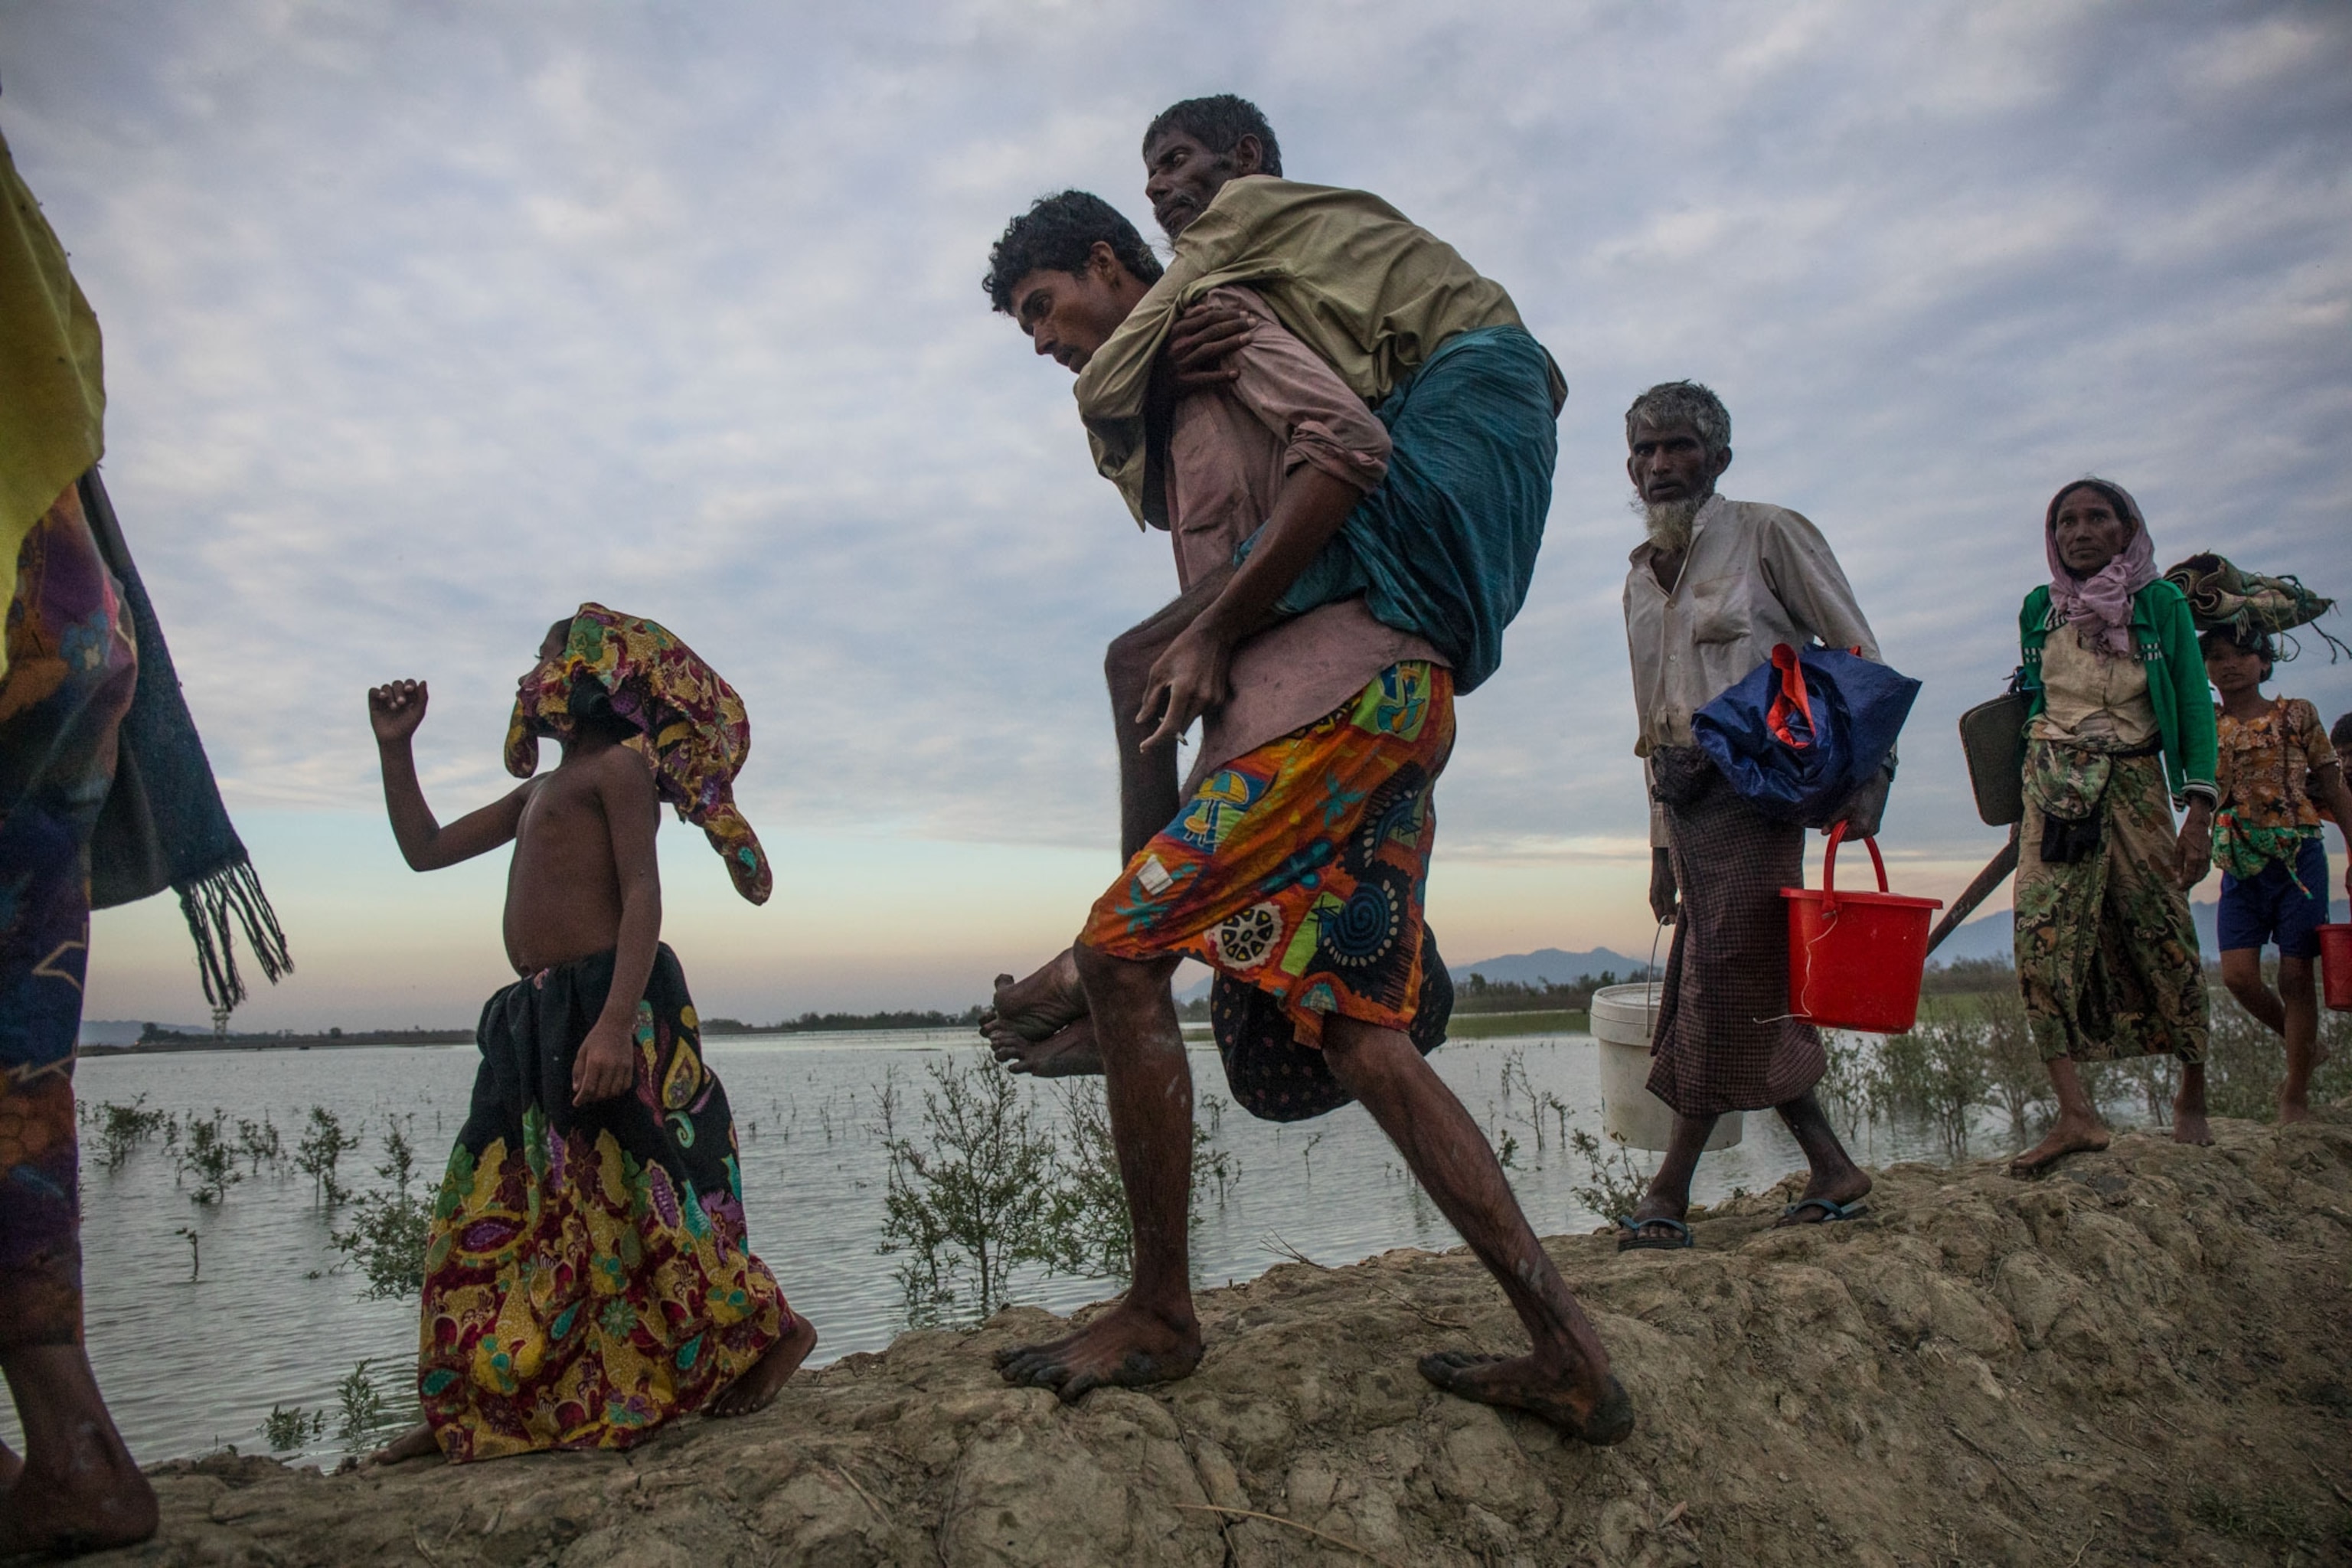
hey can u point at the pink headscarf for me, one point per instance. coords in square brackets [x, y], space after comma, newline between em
[2100, 605]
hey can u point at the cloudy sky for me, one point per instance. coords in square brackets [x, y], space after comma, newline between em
[425, 321]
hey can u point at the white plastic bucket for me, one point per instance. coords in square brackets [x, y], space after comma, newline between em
[1622, 1018]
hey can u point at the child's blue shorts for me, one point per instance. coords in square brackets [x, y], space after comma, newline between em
[2269, 908]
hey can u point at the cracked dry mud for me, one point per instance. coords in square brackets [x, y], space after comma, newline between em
[2147, 1355]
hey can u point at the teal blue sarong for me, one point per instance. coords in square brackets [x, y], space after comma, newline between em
[1445, 547]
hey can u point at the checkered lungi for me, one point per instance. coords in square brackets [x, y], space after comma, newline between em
[1725, 1041]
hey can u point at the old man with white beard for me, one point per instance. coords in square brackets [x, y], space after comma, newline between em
[1714, 585]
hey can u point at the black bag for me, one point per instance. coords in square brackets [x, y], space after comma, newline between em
[1992, 738]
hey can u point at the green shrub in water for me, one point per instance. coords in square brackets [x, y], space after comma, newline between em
[969, 1203]
[122, 1128]
[207, 1160]
[1613, 1185]
[386, 1238]
[323, 1145]
[286, 1429]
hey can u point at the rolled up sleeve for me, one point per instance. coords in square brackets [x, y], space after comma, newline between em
[1303, 401]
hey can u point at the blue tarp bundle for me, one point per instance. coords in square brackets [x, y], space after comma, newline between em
[1804, 729]
[1445, 547]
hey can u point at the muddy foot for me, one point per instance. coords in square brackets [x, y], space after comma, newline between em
[2289, 1114]
[1040, 1006]
[2190, 1126]
[1125, 1347]
[102, 1505]
[1841, 1188]
[415, 1443]
[1069, 1054]
[1600, 1416]
[2064, 1140]
[758, 1386]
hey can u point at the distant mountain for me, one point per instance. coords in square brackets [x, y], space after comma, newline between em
[1552, 967]
[1992, 936]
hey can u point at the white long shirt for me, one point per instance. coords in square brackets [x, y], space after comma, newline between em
[1755, 575]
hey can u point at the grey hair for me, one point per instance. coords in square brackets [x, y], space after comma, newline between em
[1683, 402]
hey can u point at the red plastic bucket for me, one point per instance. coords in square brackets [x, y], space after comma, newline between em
[1856, 958]
[2335, 966]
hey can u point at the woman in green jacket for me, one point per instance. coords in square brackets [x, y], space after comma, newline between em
[2120, 729]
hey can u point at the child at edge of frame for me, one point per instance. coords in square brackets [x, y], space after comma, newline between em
[588, 1275]
[2280, 775]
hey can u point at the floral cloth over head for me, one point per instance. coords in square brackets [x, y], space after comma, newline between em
[689, 724]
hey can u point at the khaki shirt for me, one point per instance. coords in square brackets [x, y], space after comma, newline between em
[1367, 290]
[1755, 575]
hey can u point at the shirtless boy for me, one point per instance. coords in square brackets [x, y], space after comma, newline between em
[1298, 862]
[596, 1132]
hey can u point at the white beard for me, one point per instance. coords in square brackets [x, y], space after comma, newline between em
[1669, 523]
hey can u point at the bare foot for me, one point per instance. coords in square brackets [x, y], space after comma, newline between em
[414, 1444]
[760, 1384]
[2290, 1113]
[1597, 1410]
[90, 1507]
[1843, 1188]
[1127, 1347]
[1040, 1005]
[2068, 1137]
[2191, 1126]
[1069, 1054]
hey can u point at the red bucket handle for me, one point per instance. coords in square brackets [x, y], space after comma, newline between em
[1829, 869]
[1792, 694]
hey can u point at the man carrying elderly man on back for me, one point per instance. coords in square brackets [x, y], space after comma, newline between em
[1715, 585]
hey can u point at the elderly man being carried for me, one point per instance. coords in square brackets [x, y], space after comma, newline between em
[1715, 585]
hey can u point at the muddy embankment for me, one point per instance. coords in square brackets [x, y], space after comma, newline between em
[2146, 1356]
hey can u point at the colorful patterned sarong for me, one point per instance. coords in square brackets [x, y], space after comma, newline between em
[72, 662]
[1300, 869]
[587, 1276]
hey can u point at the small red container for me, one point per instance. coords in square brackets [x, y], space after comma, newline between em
[2335, 966]
[1856, 958]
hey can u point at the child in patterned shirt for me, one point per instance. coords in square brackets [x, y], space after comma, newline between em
[2278, 768]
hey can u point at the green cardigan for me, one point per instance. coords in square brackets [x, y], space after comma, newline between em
[2167, 635]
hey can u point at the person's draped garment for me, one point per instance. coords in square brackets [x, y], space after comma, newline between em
[588, 1276]
[1300, 869]
[72, 664]
[1724, 1039]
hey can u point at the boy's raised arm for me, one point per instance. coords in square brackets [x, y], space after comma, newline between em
[606, 1063]
[395, 710]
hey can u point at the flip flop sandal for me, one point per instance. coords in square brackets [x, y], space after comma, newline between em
[1634, 1241]
[1830, 1211]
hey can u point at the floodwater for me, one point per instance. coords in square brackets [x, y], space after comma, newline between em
[189, 1364]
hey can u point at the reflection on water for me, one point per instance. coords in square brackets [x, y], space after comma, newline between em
[189, 1365]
